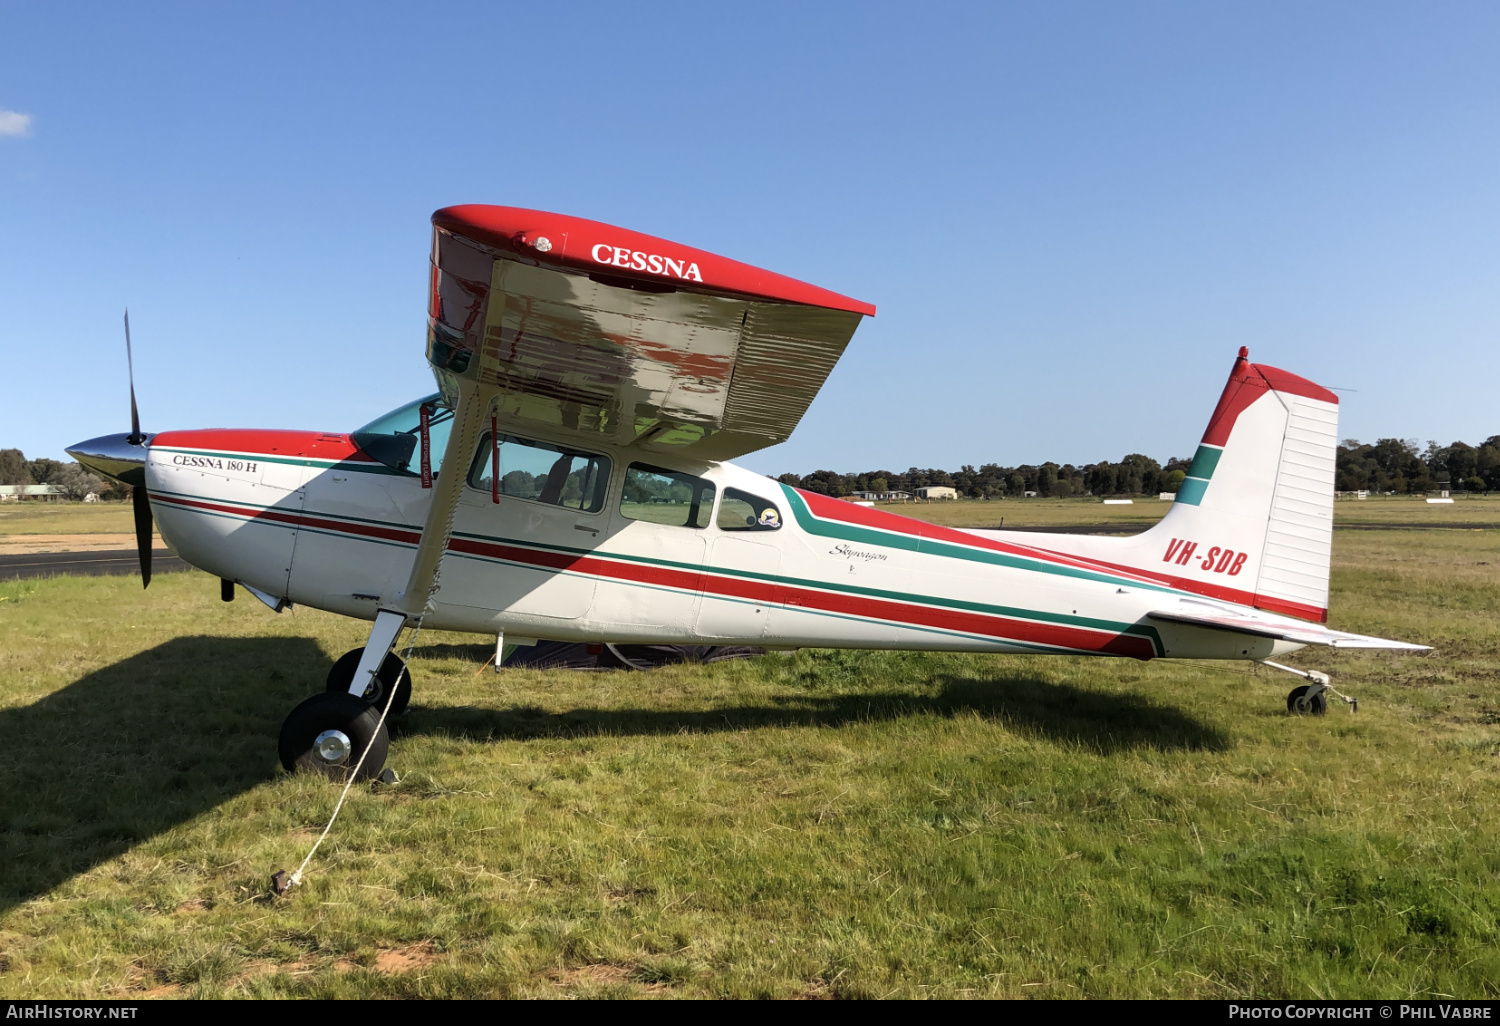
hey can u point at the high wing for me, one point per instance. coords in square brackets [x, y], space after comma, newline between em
[593, 331]
[1262, 625]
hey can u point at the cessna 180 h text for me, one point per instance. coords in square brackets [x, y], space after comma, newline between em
[569, 480]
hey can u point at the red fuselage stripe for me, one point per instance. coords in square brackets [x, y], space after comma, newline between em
[1219, 591]
[789, 595]
[1001, 628]
[298, 519]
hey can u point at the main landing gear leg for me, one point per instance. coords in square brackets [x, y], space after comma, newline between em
[1310, 699]
[330, 732]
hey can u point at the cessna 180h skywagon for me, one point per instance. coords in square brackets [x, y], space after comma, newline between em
[569, 481]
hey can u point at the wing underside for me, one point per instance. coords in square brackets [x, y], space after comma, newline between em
[721, 362]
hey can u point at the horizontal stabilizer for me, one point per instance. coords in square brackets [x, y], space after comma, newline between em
[1263, 626]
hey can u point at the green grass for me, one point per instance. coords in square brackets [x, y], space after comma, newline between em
[830, 823]
[66, 518]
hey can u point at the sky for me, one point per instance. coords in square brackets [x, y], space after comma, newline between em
[1069, 215]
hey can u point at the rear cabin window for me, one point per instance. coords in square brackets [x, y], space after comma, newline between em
[660, 496]
[741, 511]
[540, 472]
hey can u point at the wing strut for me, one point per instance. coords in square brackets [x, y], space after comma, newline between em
[412, 603]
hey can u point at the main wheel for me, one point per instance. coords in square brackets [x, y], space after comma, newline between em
[392, 671]
[1298, 702]
[327, 733]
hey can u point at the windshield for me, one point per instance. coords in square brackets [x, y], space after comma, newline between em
[393, 439]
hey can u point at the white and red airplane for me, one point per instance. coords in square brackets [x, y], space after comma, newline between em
[569, 481]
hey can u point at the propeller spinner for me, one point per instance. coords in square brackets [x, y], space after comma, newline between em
[123, 458]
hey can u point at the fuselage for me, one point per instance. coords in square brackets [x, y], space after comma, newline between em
[315, 519]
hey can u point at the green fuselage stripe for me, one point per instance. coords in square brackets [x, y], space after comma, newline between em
[357, 466]
[932, 547]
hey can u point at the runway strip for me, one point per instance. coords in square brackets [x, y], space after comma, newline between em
[90, 564]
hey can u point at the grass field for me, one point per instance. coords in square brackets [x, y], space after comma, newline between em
[18, 518]
[825, 824]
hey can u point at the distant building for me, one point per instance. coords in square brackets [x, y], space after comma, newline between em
[34, 493]
[937, 492]
[883, 496]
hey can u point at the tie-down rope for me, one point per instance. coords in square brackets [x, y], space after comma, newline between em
[296, 878]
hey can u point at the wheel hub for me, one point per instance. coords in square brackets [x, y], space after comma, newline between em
[333, 747]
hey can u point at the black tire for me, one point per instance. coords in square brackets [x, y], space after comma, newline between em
[393, 670]
[345, 714]
[1298, 702]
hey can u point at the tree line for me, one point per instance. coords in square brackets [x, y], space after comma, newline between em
[1389, 465]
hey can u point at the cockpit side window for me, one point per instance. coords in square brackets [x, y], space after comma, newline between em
[741, 511]
[662, 496]
[541, 472]
[393, 439]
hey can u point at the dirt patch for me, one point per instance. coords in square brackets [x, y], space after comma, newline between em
[392, 961]
[304, 966]
[409, 959]
[590, 975]
[148, 985]
[602, 974]
[24, 544]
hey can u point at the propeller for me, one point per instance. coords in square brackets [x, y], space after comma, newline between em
[138, 497]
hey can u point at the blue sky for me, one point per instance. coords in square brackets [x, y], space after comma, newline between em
[1070, 215]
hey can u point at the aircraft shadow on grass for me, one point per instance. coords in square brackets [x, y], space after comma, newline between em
[1094, 721]
[139, 747]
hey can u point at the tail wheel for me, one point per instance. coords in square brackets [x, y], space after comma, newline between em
[328, 733]
[393, 672]
[1304, 704]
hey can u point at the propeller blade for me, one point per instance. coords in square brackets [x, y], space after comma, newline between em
[143, 525]
[135, 418]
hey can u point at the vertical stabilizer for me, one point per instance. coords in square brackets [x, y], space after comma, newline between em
[1253, 521]
[1258, 498]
